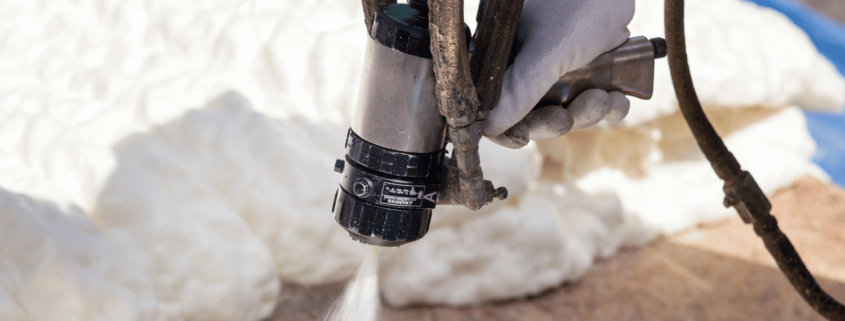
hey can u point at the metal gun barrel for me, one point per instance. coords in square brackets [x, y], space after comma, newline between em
[628, 68]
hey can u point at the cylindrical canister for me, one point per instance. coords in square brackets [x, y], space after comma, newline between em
[395, 145]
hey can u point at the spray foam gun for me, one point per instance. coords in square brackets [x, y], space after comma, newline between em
[395, 148]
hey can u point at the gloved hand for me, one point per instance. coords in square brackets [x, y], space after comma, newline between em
[555, 37]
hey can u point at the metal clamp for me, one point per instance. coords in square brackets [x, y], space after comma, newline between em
[747, 198]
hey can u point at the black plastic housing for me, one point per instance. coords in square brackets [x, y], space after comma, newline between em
[403, 28]
[385, 196]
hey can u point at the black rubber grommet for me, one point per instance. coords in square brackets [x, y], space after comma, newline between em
[392, 162]
[379, 225]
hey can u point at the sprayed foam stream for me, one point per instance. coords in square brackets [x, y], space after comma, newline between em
[360, 301]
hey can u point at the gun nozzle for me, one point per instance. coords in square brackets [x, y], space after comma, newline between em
[660, 47]
[501, 193]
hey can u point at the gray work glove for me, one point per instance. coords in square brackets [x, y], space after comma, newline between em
[555, 37]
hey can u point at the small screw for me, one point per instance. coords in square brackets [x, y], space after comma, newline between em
[501, 193]
[338, 165]
[363, 187]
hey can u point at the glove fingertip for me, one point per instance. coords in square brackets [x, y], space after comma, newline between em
[549, 122]
[619, 107]
[492, 127]
[514, 138]
[589, 108]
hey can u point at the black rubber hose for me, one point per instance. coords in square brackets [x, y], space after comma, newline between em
[729, 170]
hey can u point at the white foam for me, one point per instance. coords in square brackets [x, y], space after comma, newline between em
[58, 265]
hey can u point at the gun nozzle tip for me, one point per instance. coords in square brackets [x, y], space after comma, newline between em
[660, 47]
[501, 193]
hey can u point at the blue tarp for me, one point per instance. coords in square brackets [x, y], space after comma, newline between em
[829, 37]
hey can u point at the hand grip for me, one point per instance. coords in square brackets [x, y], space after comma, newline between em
[628, 68]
